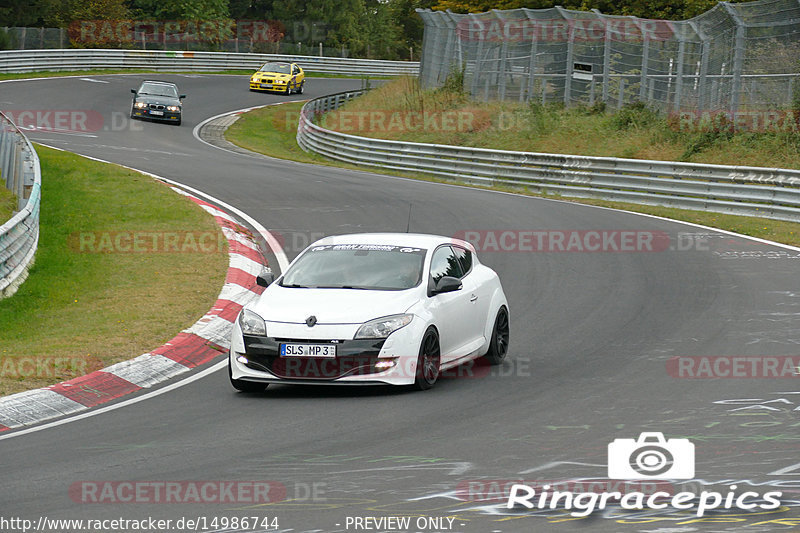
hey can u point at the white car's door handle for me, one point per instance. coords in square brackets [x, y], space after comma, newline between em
[473, 298]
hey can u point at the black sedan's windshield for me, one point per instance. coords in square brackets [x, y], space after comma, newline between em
[280, 68]
[357, 266]
[158, 89]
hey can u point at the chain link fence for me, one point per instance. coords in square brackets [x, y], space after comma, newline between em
[741, 59]
[160, 36]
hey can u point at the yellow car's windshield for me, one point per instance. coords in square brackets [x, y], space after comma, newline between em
[279, 68]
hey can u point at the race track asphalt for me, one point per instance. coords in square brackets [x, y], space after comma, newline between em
[591, 335]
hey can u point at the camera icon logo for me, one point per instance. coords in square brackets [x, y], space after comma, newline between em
[651, 457]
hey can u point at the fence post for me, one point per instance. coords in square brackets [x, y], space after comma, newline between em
[704, 53]
[606, 54]
[436, 47]
[501, 74]
[645, 63]
[477, 69]
[570, 51]
[449, 45]
[679, 73]
[738, 57]
[532, 60]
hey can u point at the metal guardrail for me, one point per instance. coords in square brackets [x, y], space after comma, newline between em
[750, 191]
[86, 59]
[19, 236]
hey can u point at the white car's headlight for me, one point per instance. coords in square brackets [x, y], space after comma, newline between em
[252, 324]
[380, 328]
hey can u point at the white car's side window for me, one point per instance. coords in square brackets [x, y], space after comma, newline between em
[445, 263]
[464, 258]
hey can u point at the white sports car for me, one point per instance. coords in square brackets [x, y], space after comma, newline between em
[383, 308]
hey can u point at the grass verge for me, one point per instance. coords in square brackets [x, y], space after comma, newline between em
[8, 204]
[272, 131]
[89, 303]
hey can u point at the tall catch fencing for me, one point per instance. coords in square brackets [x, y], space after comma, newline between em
[19, 236]
[749, 191]
[737, 58]
[298, 37]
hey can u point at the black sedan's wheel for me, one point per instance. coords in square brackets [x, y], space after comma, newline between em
[245, 386]
[429, 361]
[498, 344]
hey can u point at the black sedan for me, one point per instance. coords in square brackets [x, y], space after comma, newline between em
[157, 100]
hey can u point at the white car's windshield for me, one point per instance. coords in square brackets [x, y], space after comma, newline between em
[280, 68]
[357, 266]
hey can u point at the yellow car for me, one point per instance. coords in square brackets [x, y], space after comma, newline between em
[287, 78]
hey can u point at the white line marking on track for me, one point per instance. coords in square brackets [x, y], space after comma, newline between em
[125, 403]
[94, 80]
[59, 132]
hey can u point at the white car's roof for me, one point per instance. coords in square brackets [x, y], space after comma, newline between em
[418, 240]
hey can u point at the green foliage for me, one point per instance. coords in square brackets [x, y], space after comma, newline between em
[635, 115]
[454, 83]
[5, 41]
[8, 204]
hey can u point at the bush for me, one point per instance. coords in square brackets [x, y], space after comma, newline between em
[634, 115]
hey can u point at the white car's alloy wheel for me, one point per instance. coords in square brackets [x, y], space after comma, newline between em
[429, 361]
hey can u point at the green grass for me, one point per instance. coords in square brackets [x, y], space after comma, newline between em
[271, 131]
[8, 203]
[634, 133]
[95, 309]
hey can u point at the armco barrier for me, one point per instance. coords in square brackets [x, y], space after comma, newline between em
[87, 59]
[19, 236]
[751, 191]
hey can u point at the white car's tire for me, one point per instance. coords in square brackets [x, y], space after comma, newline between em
[429, 361]
[498, 344]
[245, 386]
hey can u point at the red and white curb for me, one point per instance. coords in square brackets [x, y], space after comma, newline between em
[202, 342]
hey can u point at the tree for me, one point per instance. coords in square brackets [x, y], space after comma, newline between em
[97, 10]
[404, 14]
[30, 13]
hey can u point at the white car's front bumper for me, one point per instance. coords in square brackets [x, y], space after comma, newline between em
[258, 358]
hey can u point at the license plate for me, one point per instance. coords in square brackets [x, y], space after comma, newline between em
[157, 113]
[308, 350]
[266, 86]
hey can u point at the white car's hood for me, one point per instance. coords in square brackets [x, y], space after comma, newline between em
[331, 306]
